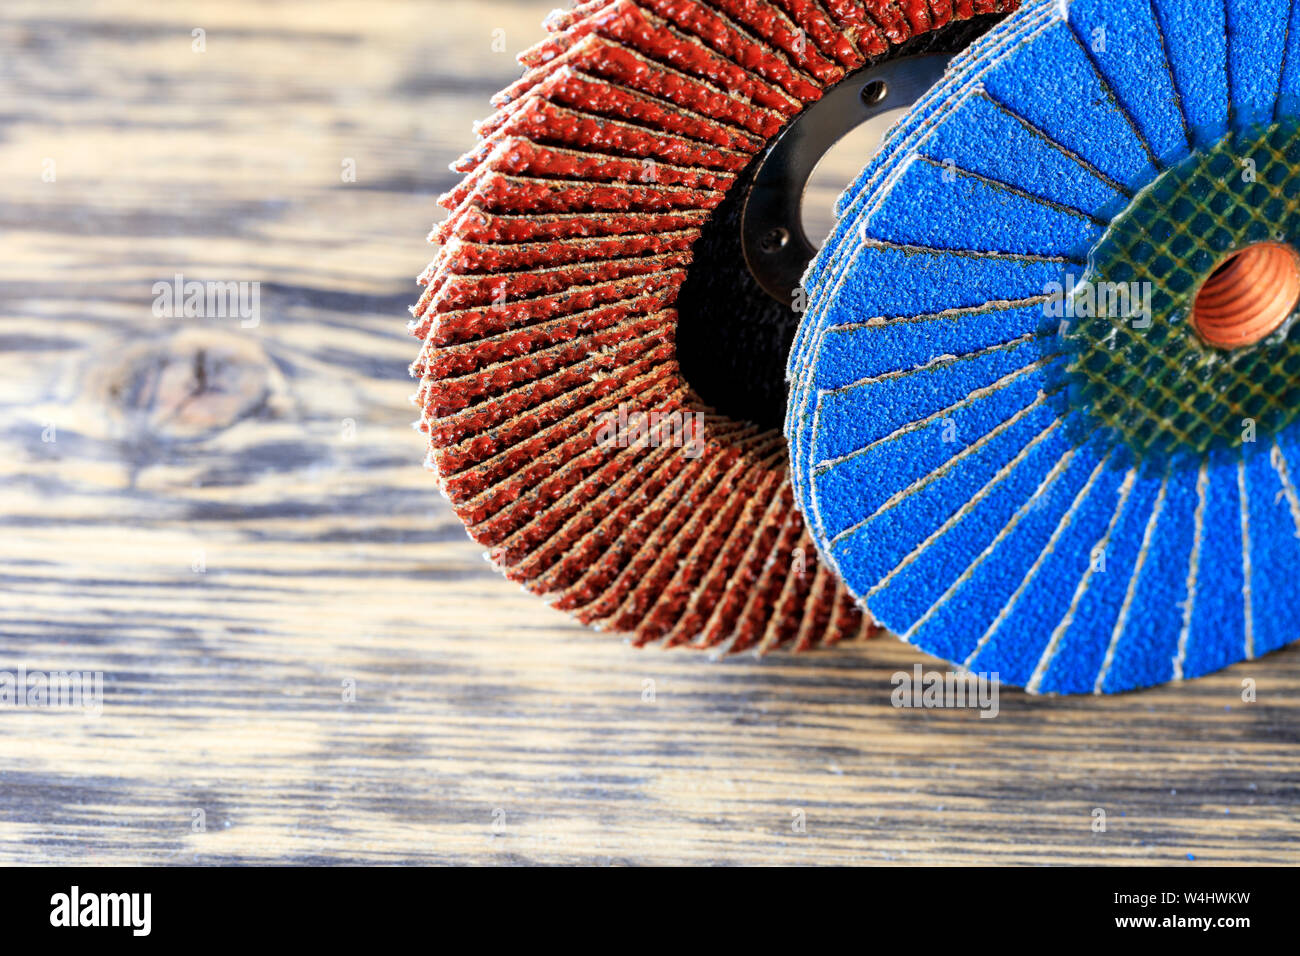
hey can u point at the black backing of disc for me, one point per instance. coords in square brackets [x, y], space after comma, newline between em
[733, 337]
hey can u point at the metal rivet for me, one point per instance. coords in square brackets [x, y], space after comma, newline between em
[774, 240]
[875, 92]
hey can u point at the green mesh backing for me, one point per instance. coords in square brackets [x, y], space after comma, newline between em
[1161, 387]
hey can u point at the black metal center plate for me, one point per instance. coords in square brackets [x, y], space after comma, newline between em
[777, 250]
[735, 322]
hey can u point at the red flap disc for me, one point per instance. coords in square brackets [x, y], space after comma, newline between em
[601, 378]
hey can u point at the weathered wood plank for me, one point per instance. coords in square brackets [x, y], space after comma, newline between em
[279, 460]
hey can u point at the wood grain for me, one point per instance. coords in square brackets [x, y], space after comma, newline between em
[280, 462]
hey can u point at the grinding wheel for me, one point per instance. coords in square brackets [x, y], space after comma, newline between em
[1043, 401]
[606, 322]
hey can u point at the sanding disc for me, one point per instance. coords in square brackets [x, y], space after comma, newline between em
[1043, 401]
[601, 379]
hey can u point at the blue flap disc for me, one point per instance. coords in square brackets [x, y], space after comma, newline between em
[1043, 399]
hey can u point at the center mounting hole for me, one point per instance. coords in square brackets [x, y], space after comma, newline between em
[1249, 296]
[838, 169]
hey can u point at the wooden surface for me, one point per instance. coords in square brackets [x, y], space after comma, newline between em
[280, 460]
